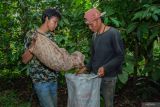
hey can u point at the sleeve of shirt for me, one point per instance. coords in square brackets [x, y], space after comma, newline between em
[119, 51]
[28, 38]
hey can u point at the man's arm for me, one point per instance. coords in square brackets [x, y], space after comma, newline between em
[119, 51]
[27, 56]
[29, 44]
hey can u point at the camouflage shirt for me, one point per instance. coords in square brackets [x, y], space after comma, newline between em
[37, 71]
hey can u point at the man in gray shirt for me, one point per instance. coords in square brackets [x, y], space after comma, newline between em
[107, 54]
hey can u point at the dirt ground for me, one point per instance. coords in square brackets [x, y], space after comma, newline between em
[126, 97]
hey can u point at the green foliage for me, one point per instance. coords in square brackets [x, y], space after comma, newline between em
[138, 22]
[9, 99]
[146, 88]
[148, 12]
[127, 68]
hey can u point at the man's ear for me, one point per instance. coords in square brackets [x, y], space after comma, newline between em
[46, 19]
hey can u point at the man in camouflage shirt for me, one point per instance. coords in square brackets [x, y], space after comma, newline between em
[43, 78]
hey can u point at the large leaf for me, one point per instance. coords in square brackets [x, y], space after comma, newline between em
[109, 11]
[156, 75]
[143, 32]
[155, 17]
[131, 27]
[123, 77]
[115, 21]
[138, 15]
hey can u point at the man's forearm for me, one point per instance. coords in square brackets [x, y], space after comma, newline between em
[27, 56]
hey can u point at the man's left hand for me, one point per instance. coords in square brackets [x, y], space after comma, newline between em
[101, 71]
[27, 56]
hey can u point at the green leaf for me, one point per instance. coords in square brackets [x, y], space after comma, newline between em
[96, 3]
[115, 22]
[155, 17]
[138, 15]
[123, 77]
[109, 11]
[143, 32]
[129, 68]
[157, 11]
[156, 75]
[146, 5]
[131, 27]
[66, 21]
[106, 20]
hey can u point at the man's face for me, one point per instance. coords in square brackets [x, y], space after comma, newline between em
[94, 25]
[52, 23]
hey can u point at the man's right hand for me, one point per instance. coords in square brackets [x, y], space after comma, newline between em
[27, 56]
[82, 70]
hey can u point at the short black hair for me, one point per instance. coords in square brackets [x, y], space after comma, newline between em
[49, 13]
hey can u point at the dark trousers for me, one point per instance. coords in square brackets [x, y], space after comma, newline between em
[108, 85]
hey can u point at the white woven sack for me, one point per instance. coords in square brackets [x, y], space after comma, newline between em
[83, 90]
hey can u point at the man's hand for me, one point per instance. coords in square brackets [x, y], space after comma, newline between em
[101, 71]
[81, 70]
[27, 56]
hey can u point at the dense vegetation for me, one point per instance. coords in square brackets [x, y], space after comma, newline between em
[137, 20]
